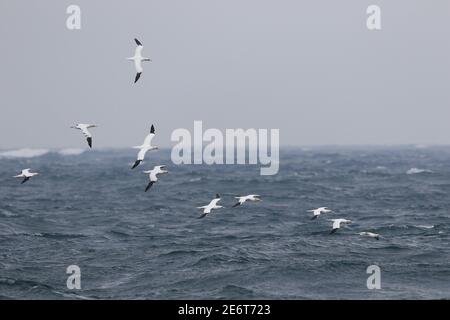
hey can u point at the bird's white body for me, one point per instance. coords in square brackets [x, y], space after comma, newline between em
[153, 174]
[211, 206]
[146, 146]
[317, 212]
[250, 197]
[337, 223]
[26, 174]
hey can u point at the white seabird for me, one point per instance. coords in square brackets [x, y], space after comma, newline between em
[152, 175]
[84, 129]
[211, 206]
[370, 234]
[138, 58]
[337, 224]
[146, 146]
[317, 212]
[250, 197]
[26, 174]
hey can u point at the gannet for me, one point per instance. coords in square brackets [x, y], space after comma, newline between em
[319, 211]
[146, 146]
[250, 197]
[26, 174]
[138, 58]
[152, 175]
[337, 224]
[211, 206]
[84, 129]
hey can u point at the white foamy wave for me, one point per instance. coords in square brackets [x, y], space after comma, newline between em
[71, 152]
[23, 153]
[417, 170]
[425, 226]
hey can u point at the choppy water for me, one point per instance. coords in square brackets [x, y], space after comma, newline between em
[90, 210]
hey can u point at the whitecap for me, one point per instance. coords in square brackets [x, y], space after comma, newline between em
[71, 152]
[425, 226]
[417, 170]
[23, 153]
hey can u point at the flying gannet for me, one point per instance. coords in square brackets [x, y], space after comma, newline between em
[152, 175]
[146, 146]
[26, 174]
[317, 212]
[211, 206]
[370, 234]
[138, 58]
[250, 197]
[84, 129]
[337, 224]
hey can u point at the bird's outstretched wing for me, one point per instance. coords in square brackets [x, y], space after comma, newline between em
[148, 139]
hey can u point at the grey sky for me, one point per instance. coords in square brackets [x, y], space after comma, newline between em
[310, 68]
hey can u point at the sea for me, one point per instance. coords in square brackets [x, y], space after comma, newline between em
[88, 209]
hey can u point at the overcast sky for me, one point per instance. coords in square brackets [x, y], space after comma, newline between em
[309, 68]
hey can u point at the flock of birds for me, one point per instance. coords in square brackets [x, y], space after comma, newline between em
[146, 146]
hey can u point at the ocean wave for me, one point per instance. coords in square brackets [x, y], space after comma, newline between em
[425, 226]
[24, 153]
[417, 170]
[71, 152]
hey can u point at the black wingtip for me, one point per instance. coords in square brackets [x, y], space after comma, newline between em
[136, 164]
[217, 196]
[314, 217]
[138, 75]
[333, 231]
[202, 216]
[152, 129]
[149, 186]
[25, 180]
[137, 42]
[237, 204]
[89, 141]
